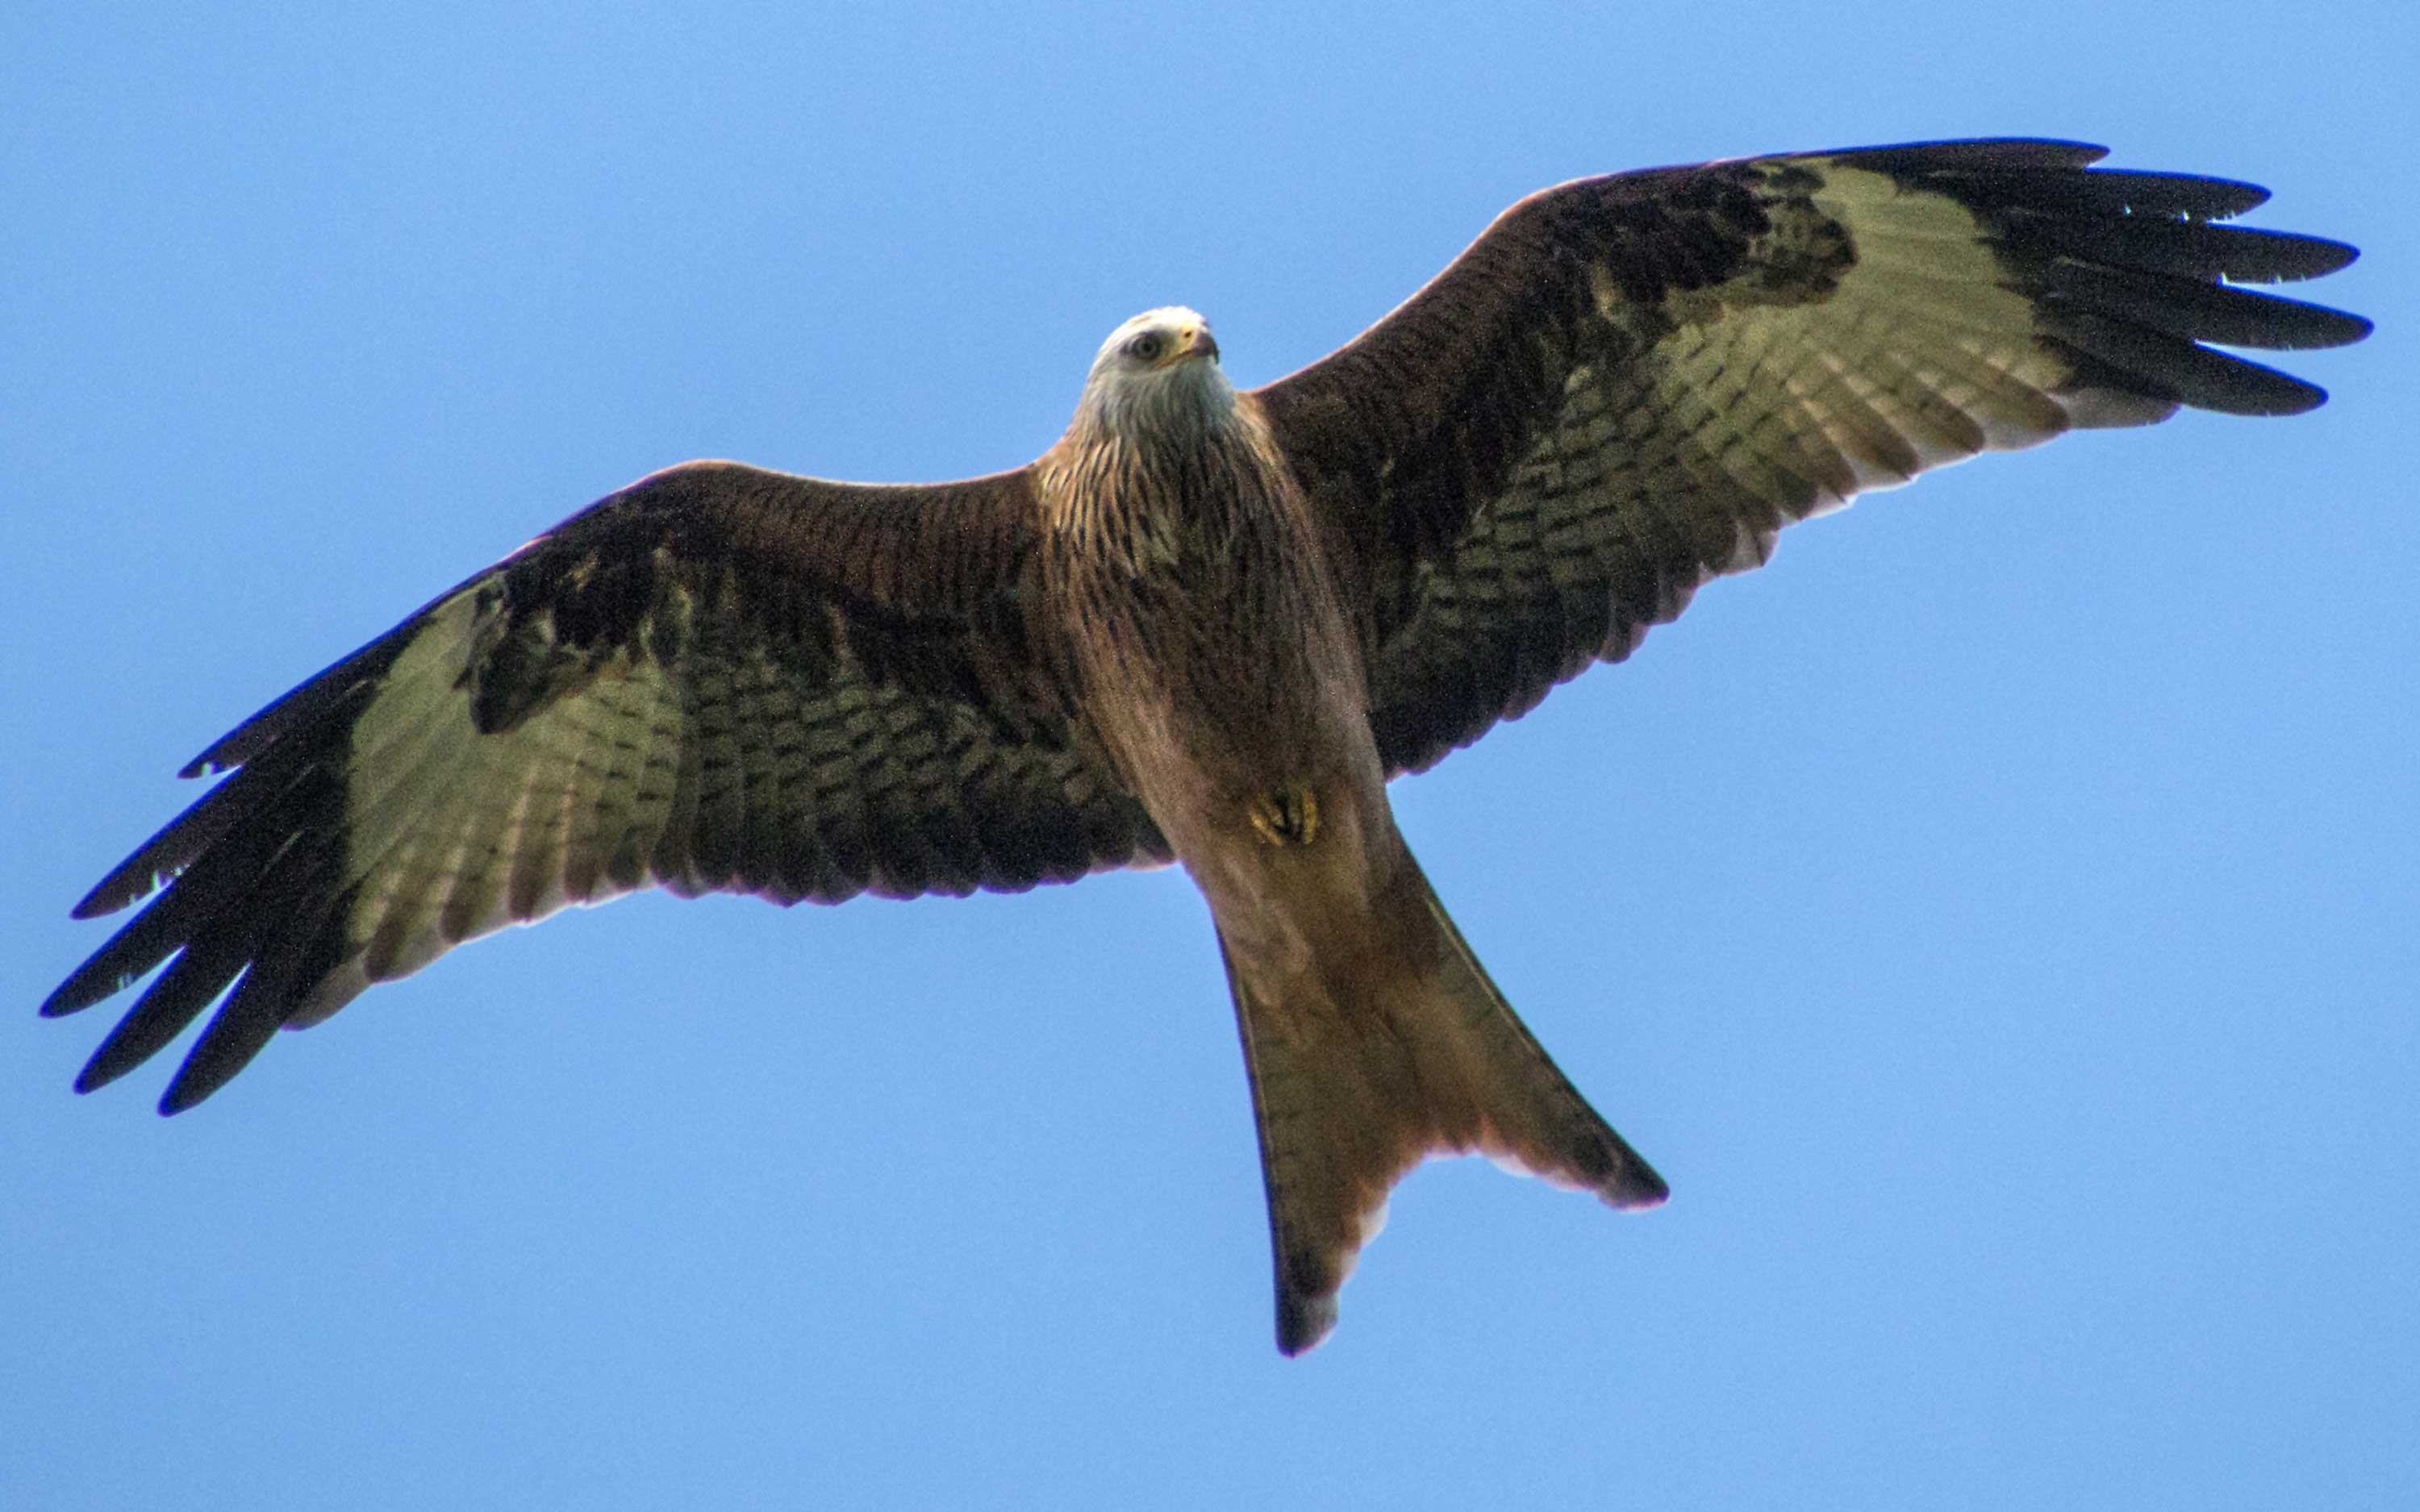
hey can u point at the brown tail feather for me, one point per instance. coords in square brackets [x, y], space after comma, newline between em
[1357, 1079]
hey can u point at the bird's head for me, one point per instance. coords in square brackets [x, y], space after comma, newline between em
[1161, 369]
[1156, 341]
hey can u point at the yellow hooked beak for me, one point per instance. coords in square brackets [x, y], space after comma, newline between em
[1194, 341]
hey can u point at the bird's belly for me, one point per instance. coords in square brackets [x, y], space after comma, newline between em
[1280, 815]
[1206, 712]
[1218, 663]
[1254, 755]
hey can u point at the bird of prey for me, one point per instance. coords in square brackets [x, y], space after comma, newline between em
[1207, 626]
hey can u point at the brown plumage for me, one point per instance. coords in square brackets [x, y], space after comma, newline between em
[1207, 626]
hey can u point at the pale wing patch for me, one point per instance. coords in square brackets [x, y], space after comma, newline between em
[1755, 412]
[1927, 295]
[452, 833]
[1918, 359]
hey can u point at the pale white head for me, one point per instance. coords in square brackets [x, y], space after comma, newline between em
[1160, 370]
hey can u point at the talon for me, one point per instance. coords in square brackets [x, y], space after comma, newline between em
[1288, 816]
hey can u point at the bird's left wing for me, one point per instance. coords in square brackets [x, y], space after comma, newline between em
[1629, 385]
[720, 679]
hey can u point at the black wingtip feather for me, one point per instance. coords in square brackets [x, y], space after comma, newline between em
[2174, 368]
[175, 846]
[2106, 192]
[2293, 255]
[226, 1048]
[136, 877]
[144, 941]
[2218, 314]
[248, 739]
[190, 983]
[2140, 193]
[274, 959]
[311, 700]
[1995, 155]
[2185, 248]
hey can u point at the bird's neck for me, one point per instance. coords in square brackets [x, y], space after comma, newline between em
[1186, 405]
[1152, 471]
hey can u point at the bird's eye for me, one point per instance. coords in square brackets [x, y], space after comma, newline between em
[1147, 345]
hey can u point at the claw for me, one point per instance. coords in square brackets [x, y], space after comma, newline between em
[1288, 816]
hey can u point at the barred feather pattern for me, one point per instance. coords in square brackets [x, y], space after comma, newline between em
[1630, 385]
[628, 701]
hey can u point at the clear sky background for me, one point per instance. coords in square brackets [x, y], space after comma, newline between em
[1996, 919]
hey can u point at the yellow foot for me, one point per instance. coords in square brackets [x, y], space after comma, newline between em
[1288, 816]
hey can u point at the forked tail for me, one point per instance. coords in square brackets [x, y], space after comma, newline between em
[1394, 1050]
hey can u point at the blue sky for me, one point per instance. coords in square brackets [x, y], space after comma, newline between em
[1995, 919]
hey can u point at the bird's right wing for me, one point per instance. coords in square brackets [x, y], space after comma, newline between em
[720, 679]
[1629, 385]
